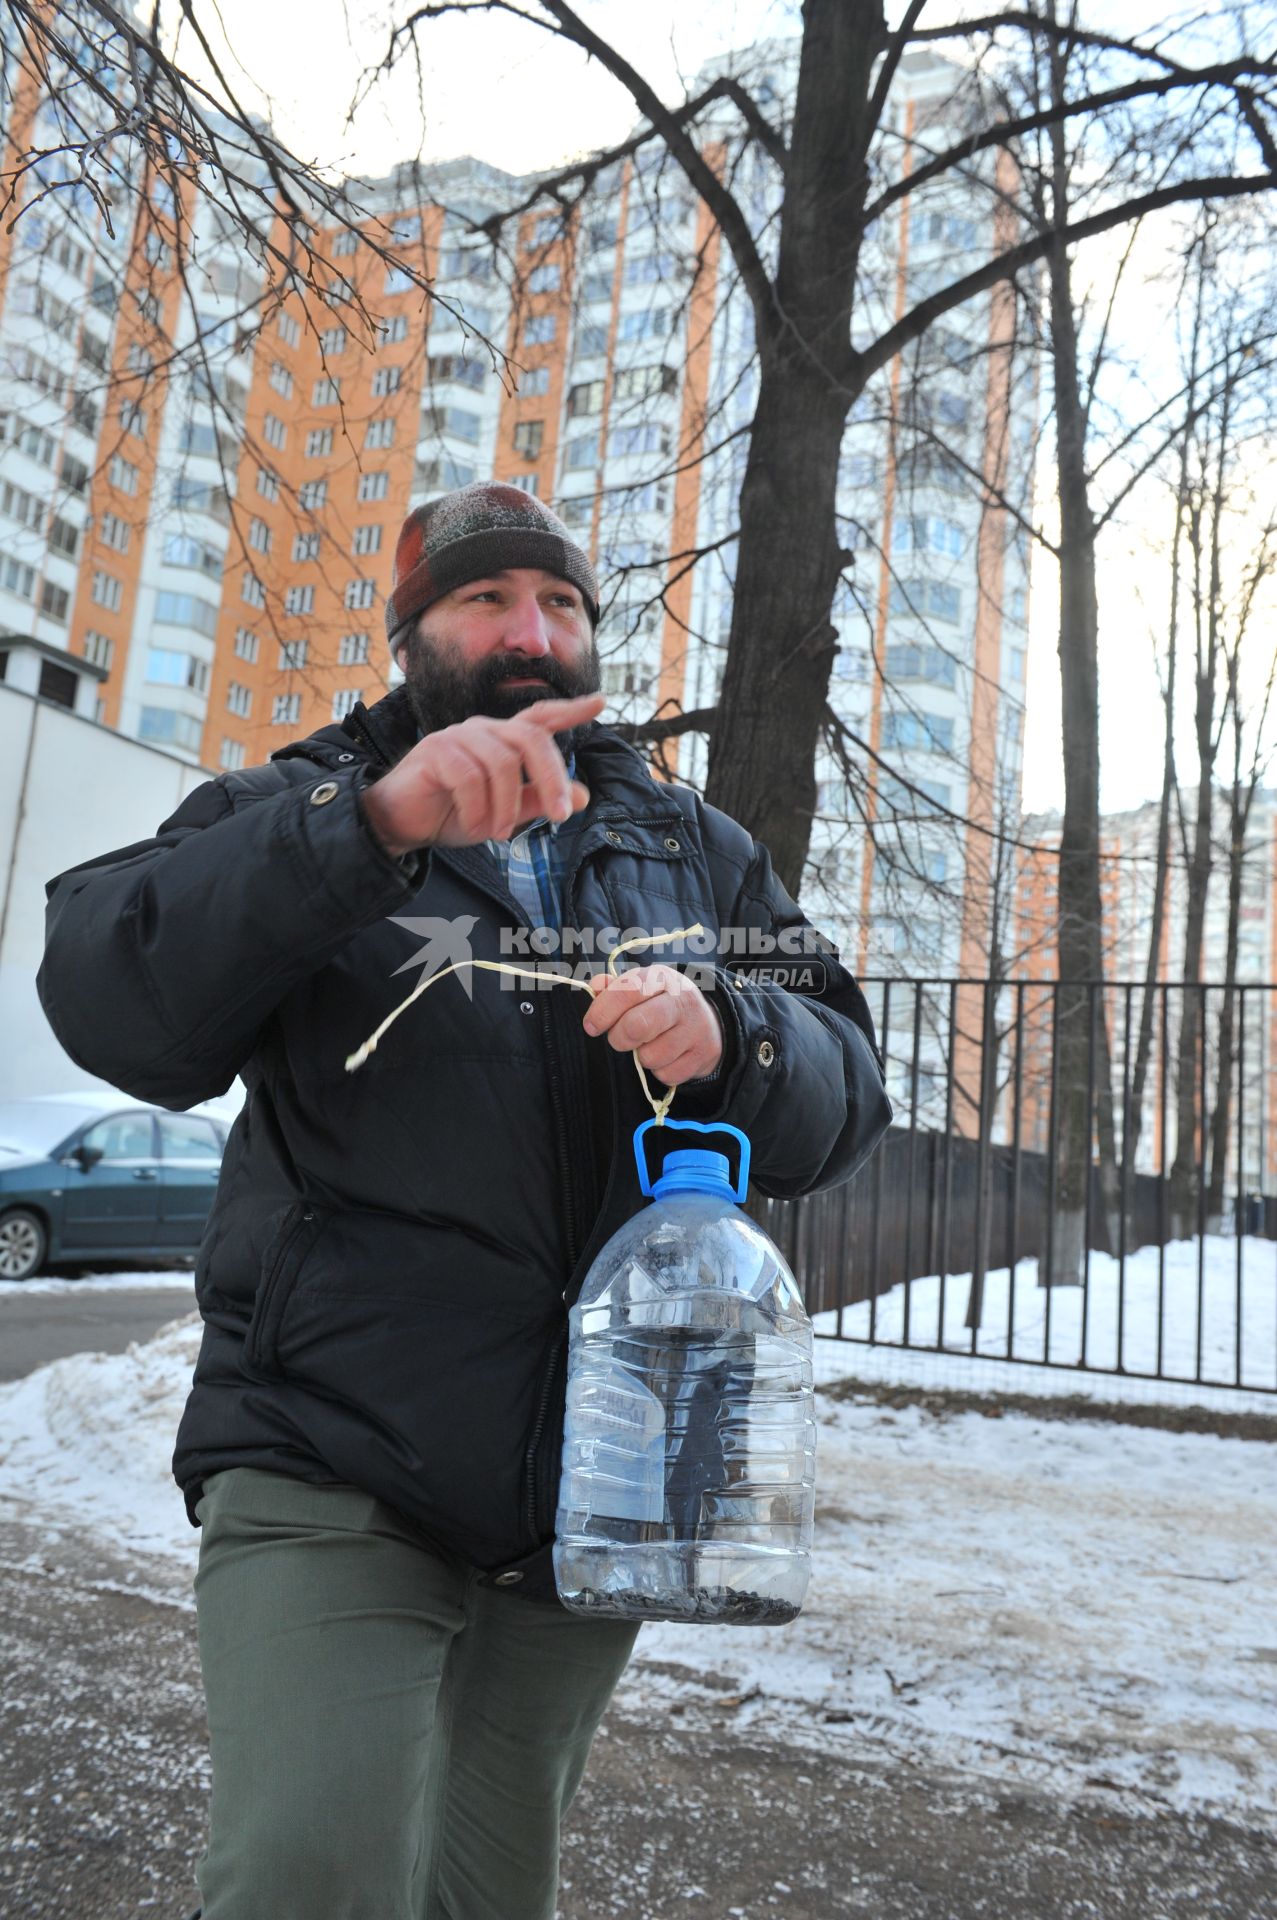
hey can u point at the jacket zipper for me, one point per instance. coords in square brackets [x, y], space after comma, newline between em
[270, 1286]
[571, 1226]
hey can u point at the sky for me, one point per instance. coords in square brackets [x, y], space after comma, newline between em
[521, 99]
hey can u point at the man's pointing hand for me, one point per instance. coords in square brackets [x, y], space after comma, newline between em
[482, 779]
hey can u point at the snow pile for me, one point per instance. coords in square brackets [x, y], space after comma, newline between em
[91, 1438]
[1105, 1324]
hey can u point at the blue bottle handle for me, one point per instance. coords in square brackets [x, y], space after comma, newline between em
[692, 1126]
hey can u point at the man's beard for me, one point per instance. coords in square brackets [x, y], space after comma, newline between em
[443, 690]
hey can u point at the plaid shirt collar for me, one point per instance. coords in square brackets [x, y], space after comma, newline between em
[534, 863]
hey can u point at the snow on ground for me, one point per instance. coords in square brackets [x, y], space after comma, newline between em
[1068, 1603]
[100, 1283]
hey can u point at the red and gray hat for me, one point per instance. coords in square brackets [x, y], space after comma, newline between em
[478, 530]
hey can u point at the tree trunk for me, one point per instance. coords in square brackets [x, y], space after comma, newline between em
[1083, 1050]
[783, 640]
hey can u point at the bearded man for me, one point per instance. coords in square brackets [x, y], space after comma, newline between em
[399, 1709]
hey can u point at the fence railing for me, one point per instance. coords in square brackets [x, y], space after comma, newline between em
[1079, 1175]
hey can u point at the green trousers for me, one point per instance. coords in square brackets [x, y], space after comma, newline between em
[390, 1740]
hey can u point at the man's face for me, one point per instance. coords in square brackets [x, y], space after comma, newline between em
[497, 644]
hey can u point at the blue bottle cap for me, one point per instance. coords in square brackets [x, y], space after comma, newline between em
[694, 1170]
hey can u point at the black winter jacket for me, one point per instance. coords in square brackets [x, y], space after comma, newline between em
[385, 1270]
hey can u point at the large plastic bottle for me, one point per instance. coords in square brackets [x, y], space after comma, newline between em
[688, 1485]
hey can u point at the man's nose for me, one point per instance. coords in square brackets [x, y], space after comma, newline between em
[526, 628]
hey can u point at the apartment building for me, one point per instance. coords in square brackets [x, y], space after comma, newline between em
[1128, 874]
[201, 479]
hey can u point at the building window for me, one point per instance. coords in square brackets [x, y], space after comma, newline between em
[20, 579]
[645, 383]
[591, 340]
[274, 432]
[75, 474]
[54, 601]
[525, 482]
[547, 228]
[650, 437]
[319, 442]
[313, 494]
[231, 755]
[167, 727]
[649, 323]
[99, 649]
[345, 242]
[535, 380]
[281, 379]
[909, 660]
[544, 279]
[398, 280]
[345, 700]
[454, 366]
[352, 650]
[930, 732]
[325, 392]
[928, 533]
[578, 511]
[288, 329]
[122, 474]
[582, 452]
[395, 330]
[386, 380]
[367, 540]
[187, 610]
[528, 435]
[305, 546]
[443, 475]
[167, 667]
[586, 398]
[285, 709]
[260, 536]
[292, 655]
[299, 600]
[267, 484]
[539, 329]
[251, 591]
[929, 599]
[114, 532]
[64, 538]
[359, 594]
[379, 434]
[406, 228]
[106, 591]
[457, 421]
[332, 341]
[373, 486]
[239, 699]
[246, 644]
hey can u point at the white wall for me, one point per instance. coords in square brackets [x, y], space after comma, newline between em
[69, 790]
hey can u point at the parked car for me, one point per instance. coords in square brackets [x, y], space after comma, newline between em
[97, 1176]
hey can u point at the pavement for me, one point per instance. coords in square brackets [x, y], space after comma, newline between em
[104, 1784]
[37, 1326]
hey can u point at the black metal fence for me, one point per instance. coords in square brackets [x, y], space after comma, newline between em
[1078, 1176]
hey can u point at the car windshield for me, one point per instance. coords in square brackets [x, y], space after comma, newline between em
[36, 1126]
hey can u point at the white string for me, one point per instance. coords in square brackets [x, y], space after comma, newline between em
[659, 1107]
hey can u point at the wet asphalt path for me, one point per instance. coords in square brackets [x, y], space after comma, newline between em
[36, 1327]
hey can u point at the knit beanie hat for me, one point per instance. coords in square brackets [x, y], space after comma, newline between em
[479, 530]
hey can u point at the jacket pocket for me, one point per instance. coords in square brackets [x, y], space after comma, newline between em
[283, 1260]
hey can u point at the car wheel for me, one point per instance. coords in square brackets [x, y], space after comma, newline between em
[23, 1244]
